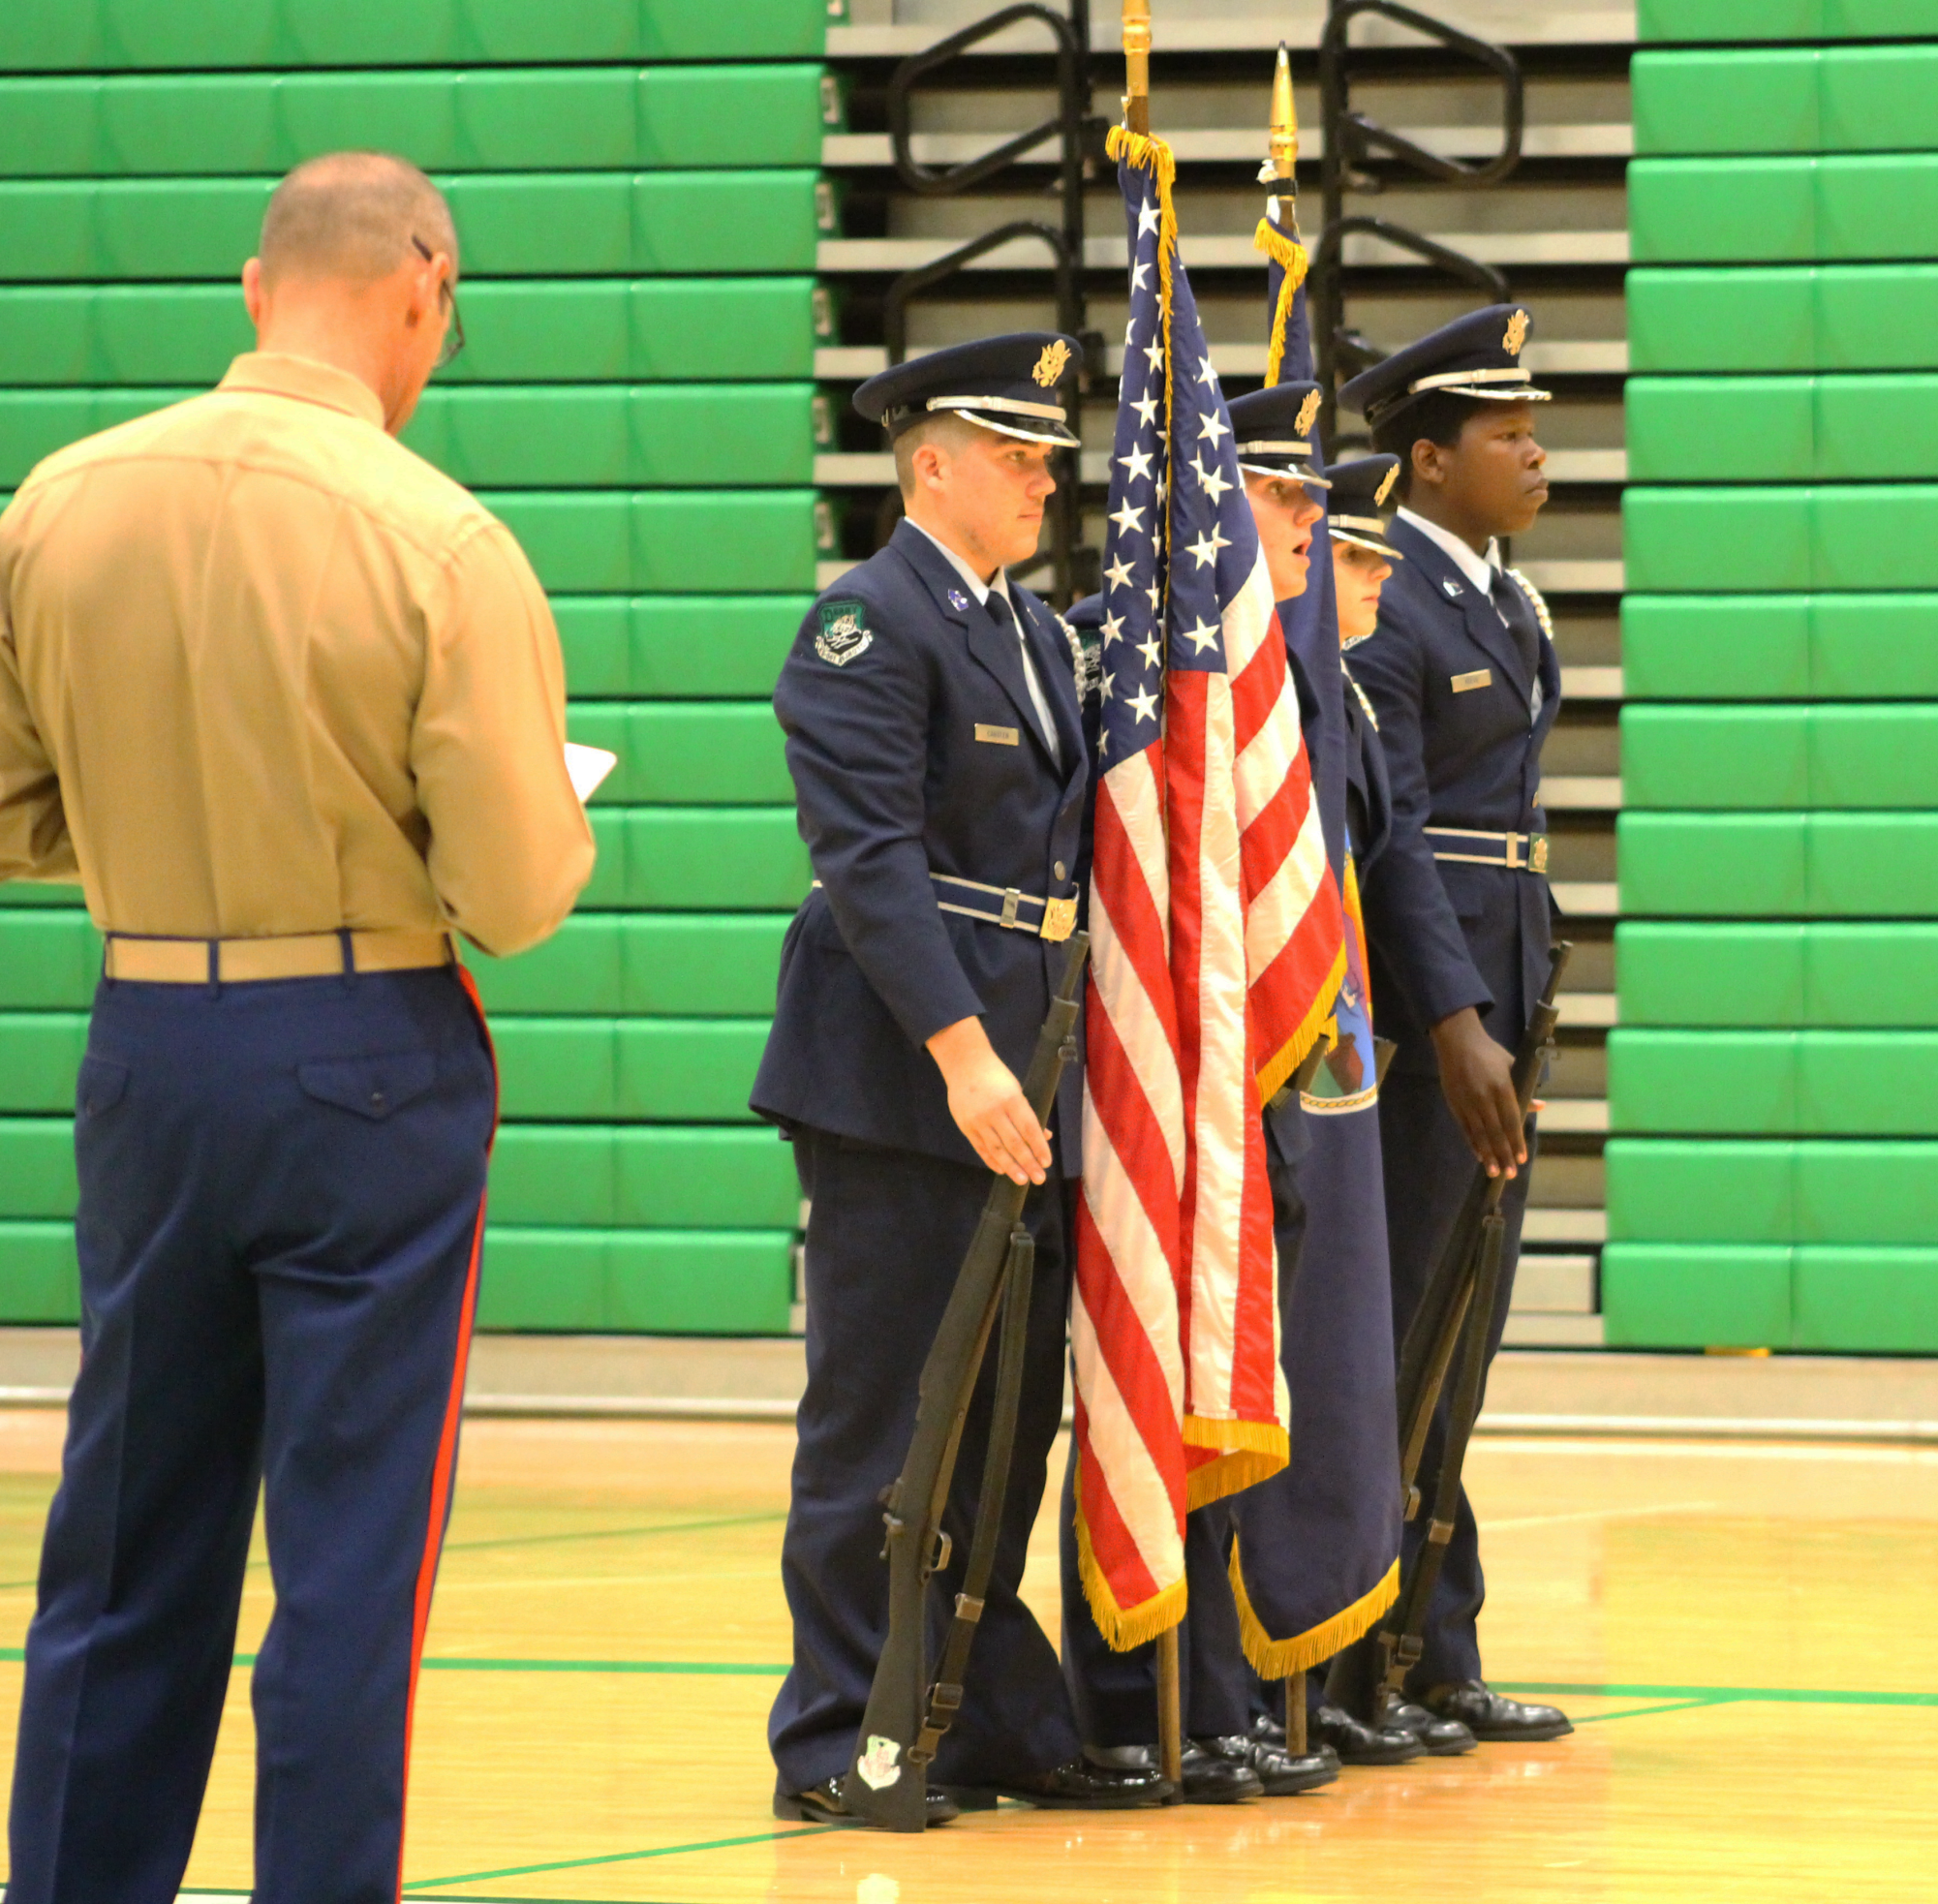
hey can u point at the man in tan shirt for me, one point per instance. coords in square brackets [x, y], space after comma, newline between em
[289, 705]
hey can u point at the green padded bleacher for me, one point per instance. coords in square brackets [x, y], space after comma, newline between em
[1749, 538]
[595, 118]
[1770, 648]
[118, 35]
[639, 203]
[662, 330]
[1778, 865]
[1700, 20]
[515, 225]
[1870, 972]
[1773, 1079]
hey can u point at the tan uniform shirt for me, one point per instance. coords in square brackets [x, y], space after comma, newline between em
[263, 670]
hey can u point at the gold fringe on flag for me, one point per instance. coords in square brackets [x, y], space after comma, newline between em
[1122, 1630]
[1248, 1452]
[1291, 255]
[1280, 1659]
[1273, 1074]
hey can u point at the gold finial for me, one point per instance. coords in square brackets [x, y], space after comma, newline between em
[1137, 65]
[1284, 147]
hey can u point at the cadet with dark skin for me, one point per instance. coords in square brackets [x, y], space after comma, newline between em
[1462, 678]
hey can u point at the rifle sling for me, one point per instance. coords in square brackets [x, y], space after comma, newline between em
[945, 1695]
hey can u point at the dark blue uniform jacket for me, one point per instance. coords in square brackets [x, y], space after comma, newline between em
[1444, 936]
[892, 782]
[1369, 794]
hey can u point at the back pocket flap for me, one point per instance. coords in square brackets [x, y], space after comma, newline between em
[371, 1087]
[101, 1085]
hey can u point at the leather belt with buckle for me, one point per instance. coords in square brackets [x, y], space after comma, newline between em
[149, 960]
[1519, 852]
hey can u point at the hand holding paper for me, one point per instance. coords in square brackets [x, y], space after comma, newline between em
[588, 766]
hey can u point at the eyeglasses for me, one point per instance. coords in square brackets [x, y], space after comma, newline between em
[454, 335]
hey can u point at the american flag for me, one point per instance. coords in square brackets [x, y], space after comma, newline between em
[1217, 944]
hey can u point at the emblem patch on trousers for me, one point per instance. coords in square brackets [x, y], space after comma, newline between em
[845, 633]
[877, 1765]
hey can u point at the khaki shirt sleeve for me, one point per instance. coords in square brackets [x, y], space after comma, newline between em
[511, 849]
[33, 838]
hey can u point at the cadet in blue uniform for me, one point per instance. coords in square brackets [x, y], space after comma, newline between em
[1461, 675]
[939, 768]
[1225, 1760]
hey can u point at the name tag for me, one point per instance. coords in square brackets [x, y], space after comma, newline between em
[1001, 736]
[1481, 677]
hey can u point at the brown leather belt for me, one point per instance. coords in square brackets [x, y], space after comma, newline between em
[245, 960]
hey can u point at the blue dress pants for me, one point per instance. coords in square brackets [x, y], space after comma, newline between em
[886, 1234]
[281, 1205]
[1429, 1167]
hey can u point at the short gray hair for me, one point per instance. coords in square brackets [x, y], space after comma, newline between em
[350, 216]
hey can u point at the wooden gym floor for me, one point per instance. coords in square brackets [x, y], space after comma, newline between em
[1746, 1634]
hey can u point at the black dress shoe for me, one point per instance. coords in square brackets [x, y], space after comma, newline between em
[1218, 1771]
[826, 1803]
[1281, 1772]
[1122, 1779]
[1493, 1717]
[1443, 1739]
[1360, 1744]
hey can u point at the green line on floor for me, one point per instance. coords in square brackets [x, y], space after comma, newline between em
[620, 1858]
[616, 1533]
[1647, 1711]
[1751, 1695]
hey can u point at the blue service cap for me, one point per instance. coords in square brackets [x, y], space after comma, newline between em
[1356, 512]
[1478, 356]
[1274, 431]
[1005, 383]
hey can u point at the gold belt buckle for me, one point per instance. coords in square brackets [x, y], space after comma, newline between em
[1060, 919]
[1537, 854]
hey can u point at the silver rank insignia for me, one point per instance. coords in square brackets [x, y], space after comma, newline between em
[1453, 588]
[845, 633]
[958, 600]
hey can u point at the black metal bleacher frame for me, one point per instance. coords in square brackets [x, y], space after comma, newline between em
[1074, 568]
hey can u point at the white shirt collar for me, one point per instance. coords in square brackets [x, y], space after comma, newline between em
[1479, 569]
[983, 589]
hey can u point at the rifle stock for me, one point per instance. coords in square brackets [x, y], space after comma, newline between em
[887, 1781]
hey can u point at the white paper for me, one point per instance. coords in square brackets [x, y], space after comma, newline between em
[588, 766]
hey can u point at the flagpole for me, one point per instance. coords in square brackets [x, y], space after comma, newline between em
[1137, 66]
[1137, 119]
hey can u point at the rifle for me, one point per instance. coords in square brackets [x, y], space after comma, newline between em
[906, 1715]
[1457, 1312]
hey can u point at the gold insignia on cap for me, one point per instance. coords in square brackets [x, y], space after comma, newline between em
[1309, 413]
[1517, 335]
[1385, 488]
[1050, 365]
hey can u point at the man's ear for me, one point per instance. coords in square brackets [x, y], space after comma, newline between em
[1428, 461]
[253, 300]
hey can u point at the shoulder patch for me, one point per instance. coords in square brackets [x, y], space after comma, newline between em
[844, 630]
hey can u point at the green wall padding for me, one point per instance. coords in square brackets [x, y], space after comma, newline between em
[639, 201]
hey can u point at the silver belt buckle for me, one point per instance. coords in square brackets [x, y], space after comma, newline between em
[1060, 919]
[1012, 900]
[1514, 860]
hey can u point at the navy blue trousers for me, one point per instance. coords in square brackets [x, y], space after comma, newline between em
[1116, 1694]
[281, 1199]
[1428, 1168]
[885, 1236]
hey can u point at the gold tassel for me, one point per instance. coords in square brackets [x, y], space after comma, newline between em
[1291, 254]
[1122, 1630]
[1280, 1659]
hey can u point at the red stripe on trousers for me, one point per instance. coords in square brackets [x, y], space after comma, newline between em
[446, 1461]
